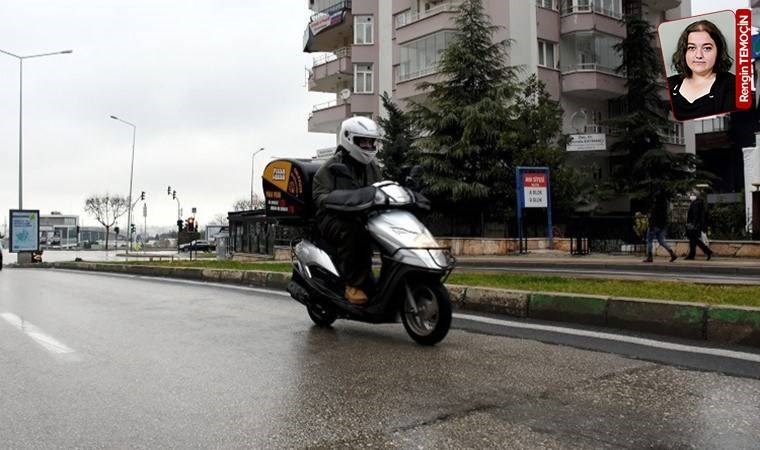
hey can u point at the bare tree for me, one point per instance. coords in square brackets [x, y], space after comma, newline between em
[106, 209]
[244, 204]
[219, 219]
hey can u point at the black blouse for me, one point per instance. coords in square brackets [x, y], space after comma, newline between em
[719, 100]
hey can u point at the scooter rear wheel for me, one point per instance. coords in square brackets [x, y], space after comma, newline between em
[426, 312]
[322, 317]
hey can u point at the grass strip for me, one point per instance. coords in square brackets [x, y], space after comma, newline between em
[715, 294]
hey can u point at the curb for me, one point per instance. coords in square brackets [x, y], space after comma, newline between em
[719, 324]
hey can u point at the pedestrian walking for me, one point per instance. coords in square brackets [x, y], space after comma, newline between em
[658, 223]
[696, 226]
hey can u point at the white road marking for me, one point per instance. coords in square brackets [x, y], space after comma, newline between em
[49, 343]
[614, 337]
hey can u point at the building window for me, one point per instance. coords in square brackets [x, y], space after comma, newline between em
[548, 4]
[421, 57]
[403, 18]
[591, 51]
[547, 54]
[363, 78]
[611, 8]
[363, 30]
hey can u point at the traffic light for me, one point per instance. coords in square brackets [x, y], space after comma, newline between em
[142, 195]
[132, 228]
[174, 194]
[179, 224]
[168, 190]
[116, 230]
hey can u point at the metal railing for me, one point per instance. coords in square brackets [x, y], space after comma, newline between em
[408, 17]
[589, 67]
[333, 8]
[568, 8]
[327, 105]
[712, 125]
[406, 76]
[330, 57]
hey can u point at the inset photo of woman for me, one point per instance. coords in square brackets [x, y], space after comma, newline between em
[698, 55]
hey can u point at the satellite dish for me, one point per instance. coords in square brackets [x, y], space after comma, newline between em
[579, 120]
[345, 94]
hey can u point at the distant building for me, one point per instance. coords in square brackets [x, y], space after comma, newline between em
[58, 230]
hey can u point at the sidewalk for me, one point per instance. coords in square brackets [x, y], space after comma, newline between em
[562, 260]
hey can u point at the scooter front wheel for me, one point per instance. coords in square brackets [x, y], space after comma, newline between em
[321, 316]
[426, 312]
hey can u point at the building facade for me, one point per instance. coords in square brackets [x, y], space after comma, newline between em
[363, 48]
[59, 230]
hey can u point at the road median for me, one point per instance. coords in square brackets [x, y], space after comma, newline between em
[715, 323]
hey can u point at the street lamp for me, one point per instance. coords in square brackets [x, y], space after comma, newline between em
[252, 158]
[20, 116]
[131, 173]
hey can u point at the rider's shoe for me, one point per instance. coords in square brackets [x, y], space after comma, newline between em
[355, 295]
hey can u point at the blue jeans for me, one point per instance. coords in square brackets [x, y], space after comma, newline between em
[659, 234]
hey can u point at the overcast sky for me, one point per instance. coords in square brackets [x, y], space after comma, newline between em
[706, 6]
[206, 83]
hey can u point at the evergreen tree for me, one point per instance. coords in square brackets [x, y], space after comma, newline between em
[643, 165]
[538, 142]
[396, 154]
[464, 121]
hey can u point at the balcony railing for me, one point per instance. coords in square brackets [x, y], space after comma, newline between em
[333, 8]
[406, 76]
[327, 105]
[712, 125]
[589, 67]
[591, 6]
[407, 17]
[329, 57]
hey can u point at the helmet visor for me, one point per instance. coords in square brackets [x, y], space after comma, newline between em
[365, 143]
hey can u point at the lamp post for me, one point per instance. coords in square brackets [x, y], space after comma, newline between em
[252, 159]
[131, 173]
[21, 116]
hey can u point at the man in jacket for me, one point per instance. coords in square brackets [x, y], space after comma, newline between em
[658, 223]
[352, 167]
[696, 224]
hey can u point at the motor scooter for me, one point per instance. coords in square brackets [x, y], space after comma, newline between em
[412, 271]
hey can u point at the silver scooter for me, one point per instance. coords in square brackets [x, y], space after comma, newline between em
[412, 272]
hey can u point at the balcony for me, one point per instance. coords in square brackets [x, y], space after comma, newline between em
[326, 117]
[331, 71]
[591, 17]
[592, 81]
[410, 26]
[330, 28]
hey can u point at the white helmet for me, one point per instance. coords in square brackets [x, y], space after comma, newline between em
[359, 135]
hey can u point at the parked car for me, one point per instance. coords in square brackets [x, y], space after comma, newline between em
[198, 245]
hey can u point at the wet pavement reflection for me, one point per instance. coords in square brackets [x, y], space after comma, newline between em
[166, 364]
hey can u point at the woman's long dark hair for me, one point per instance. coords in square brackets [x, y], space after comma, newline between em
[723, 62]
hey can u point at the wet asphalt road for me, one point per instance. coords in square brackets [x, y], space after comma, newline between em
[88, 360]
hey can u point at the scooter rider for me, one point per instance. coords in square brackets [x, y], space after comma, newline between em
[356, 151]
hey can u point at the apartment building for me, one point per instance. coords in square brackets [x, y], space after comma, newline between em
[363, 48]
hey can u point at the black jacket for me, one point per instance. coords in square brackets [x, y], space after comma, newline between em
[696, 217]
[328, 179]
[658, 214]
[720, 99]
